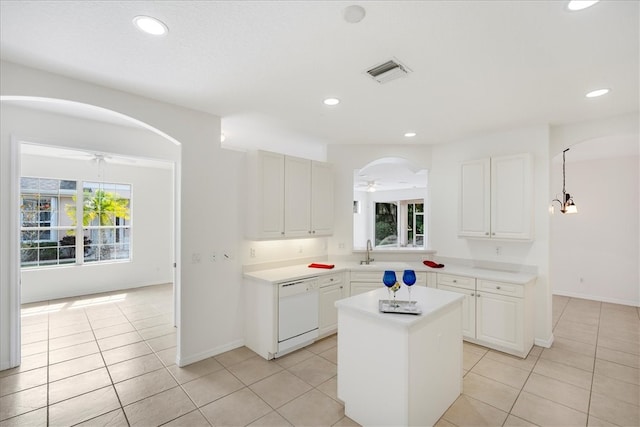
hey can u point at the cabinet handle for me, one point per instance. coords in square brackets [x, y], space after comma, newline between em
[478, 295]
[341, 286]
[486, 233]
[493, 234]
[455, 281]
[497, 287]
[282, 232]
[314, 231]
[309, 231]
[472, 294]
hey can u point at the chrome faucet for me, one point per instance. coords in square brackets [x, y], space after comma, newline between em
[368, 258]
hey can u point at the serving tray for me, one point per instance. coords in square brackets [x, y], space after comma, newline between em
[399, 307]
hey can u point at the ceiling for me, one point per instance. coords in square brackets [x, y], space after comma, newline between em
[265, 67]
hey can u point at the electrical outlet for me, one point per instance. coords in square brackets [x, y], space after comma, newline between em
[340, 245]
[498, 250]
[252, 253]
[196, 258]
[214, 257]
[227, 256]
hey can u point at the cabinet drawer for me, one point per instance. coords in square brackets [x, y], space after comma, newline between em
[367, 276]
[458, 281]
[501, 288]
[329, 279]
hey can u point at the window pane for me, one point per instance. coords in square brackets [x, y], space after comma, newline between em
[386, 225]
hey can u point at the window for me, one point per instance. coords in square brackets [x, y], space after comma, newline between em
[399, 224]
[50, 224]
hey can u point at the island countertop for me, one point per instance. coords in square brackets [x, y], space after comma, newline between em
[430, 300]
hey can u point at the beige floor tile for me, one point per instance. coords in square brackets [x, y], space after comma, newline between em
[616, 389]
[312, 408]
[562, 372]
[29, 419]
[617, 371]
[163, 342]
[167, 356]
[109, 321]
[576, 331]
[628, 331]
[237, 409]
[78, 384]
[491, 392]
[597, 422]
[347, 422]
[31, 337]
[280, 388]
[23, 401]
[467, 411]
[272, 419]
[314, 370]
[470, 358]
[157, 331]
[506, 374]
[114, 330]
[330, 388]
[564, 343]
[254, 369]
[513, 421]
[22, 381]
[195, 370]
[145, 385]
[27, 363]
[558, 391]
[192, 419]
[235, 356]
[212, 387]
[34, 348]
[615, 411]
[442, 423]
[526, 364]
[73, 352]
[294, 358]
[331, 355]
[126, 352]
[72, 367]
[619, 345]
[70, 340]
[620, 357]
[110, 419]
[84, 407]
[119, 340]
[152, 321]
[569, 358]
[134, 367]
[544, 412]
[142, 314]
[160, 408]
[69, 330]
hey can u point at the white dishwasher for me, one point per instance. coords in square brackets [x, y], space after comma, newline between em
[297, 314]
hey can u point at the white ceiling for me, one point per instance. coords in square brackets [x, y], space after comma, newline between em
[264, 67]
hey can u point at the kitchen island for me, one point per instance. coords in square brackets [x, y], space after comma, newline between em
[399, 369]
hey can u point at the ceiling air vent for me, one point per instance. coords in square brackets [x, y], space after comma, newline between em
[388, 71]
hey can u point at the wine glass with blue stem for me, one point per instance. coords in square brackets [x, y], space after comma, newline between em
[409, 279]
[389, 279]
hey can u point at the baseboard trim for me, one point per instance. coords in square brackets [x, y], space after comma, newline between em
[544, 343]
[597, 298]
[188, 360]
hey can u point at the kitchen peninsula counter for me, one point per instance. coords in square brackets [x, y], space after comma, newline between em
[399, 369]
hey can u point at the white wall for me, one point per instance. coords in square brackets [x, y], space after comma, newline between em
[152, 251]
[209, 297]
[595, 252]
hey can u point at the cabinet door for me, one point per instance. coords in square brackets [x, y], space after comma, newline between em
[266, 195]
[468, 309]
[328, 314]
[475, 199]
[321, 199]
[511, 195]
[500, 320]
[362, 287]
[297, 197]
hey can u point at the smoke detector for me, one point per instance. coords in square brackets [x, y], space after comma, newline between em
[387, 71]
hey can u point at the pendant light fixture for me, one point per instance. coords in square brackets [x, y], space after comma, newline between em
[566, 205]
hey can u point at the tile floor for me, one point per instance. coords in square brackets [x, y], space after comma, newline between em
[109, 360]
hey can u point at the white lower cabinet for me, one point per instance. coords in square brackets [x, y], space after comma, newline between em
[332, 289]
[495, 314]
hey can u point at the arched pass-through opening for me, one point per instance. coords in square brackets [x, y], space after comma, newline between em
[90, 113]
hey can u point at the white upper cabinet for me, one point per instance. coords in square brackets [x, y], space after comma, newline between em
[288, 197]
[496, 198]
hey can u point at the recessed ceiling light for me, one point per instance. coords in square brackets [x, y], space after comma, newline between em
[410, 134]
[353, 14]
[597, 93]
[575, 5]
[331, 101]
[150, 25]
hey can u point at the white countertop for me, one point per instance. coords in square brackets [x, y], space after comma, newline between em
[276, 275]
[430, 301]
